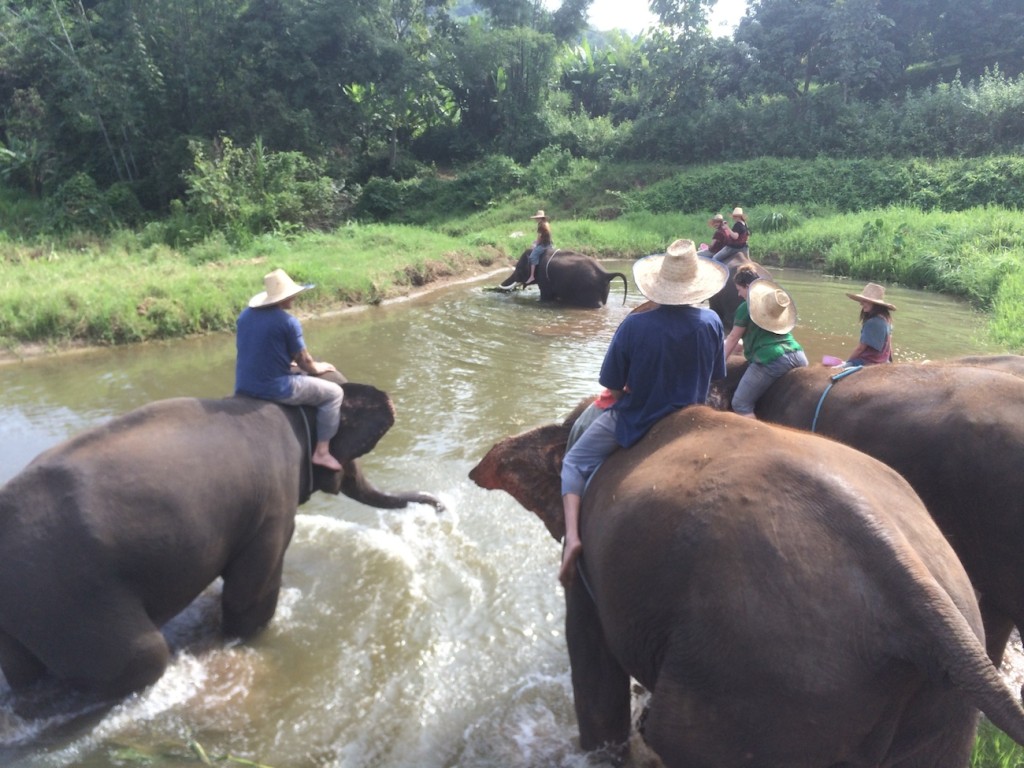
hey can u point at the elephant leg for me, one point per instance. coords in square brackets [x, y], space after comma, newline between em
[114, 650]
[599, 683]
[19, 666]
[252, 581]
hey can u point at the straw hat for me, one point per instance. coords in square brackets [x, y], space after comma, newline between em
[737, 213]
[716, 219]
[539, 214]
[770, 306]
[679, 276]
[279, 287]
[874, 293]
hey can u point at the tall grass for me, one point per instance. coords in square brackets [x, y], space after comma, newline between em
[120, 289]
[114, 293]
[994, 749]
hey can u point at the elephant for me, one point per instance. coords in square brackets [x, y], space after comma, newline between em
[107, 536]
[954, 430]
[725, 302]
[1009, 363]
[568, 277]
[786, 600]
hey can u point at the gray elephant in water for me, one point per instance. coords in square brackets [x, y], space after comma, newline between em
[568, 277]
[787, 600]
[107, 536]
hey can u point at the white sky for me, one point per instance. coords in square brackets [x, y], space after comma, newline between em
[634, 16]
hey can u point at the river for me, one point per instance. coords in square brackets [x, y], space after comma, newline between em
[404, 637]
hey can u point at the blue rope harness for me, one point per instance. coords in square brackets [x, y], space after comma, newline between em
[832, 380]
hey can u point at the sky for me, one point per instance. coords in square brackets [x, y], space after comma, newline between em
[634, 16]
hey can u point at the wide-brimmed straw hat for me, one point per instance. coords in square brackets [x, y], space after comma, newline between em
[279, 287]
[770, 306]
[874, 293]
[539, 215]
[716, 219]
[679, 276]
[737, 213]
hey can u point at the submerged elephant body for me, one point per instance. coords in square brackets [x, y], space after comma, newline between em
[955, 431]
[568, 277]
[787, 600]
[106, 537]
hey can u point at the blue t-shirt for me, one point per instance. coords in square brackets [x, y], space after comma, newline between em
[268, 339]
[667, 357]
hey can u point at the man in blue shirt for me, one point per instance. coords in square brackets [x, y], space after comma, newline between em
[660, 360]
[269, 340]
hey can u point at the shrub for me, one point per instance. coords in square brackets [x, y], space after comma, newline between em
[78, 204]
[124, 205]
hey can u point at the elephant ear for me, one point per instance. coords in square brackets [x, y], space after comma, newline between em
[367, 414]
[528, 467]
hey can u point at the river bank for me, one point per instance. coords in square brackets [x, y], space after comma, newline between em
[470, 271]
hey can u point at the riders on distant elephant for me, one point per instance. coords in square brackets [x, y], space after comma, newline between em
[541, 244]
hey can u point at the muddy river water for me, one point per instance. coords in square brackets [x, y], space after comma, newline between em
[402, 638]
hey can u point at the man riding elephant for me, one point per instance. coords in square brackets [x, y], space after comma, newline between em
[107, 536]
[659, 361]
[802, 611]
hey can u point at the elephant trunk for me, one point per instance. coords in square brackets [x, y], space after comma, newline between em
[355, 485]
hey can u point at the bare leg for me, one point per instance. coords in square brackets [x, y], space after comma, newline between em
[322, 457]
[572, 546]
[533, 275]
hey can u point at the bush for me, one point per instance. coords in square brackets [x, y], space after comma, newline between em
[247, 192]
[124, 205]
[79, 205]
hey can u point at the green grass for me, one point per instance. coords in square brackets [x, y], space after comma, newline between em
[994, 749]
[118, 290]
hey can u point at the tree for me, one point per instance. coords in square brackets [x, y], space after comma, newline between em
[859, 51]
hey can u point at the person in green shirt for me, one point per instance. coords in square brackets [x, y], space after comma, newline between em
[763, 322]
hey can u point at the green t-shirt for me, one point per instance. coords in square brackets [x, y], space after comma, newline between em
[759, 345]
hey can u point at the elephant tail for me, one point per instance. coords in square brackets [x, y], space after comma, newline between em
[945, 641]
[968, 666]
[625, 284]
[950, 644]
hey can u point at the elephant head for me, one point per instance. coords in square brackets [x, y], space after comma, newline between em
[367, 414]
[527, 466]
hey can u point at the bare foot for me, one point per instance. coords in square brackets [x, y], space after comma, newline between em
[570, 553]
[326, 461]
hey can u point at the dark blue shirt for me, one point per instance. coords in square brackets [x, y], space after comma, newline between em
[268, 339]
[667, 358]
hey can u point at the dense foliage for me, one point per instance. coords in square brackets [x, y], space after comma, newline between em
[113, 111]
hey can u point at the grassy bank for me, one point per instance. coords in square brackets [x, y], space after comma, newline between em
[115, 291]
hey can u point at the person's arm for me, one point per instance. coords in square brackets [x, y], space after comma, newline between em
[306, 362]
[859, 350]
[733, 339]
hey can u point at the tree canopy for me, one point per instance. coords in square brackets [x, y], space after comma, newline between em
[132, 93]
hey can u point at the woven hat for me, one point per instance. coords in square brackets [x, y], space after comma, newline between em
[539, 214]
[874, 293]
[770, 306]
[737, 213]
[279, 287]
[679, 276]
[716, 219]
